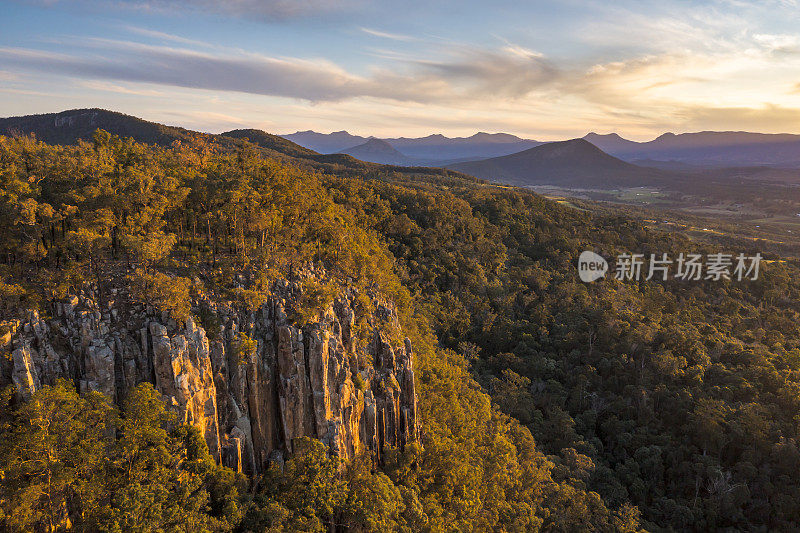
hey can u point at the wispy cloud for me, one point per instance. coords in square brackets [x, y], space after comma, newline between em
[104, 86]
[163, 36]
[466, 73]
[777, 118]
[782, 43]
[387, 35]
[509, 72]
[252, 9]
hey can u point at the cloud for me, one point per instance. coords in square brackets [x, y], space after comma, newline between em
[387, 35]
[465, 74]
[658, 32]
[162, 36]
[729, 76]
[26, 92]
[511, 71]
[266, 10]
[636, 66]
[760, 4]
[781, 43]
[95, 85]
[310, 80]
[766, 118]
[513, 82]
[261, 9]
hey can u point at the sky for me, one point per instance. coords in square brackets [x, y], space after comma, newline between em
[541, 70]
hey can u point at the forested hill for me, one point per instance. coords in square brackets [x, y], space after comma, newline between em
[113, 230]
[611, 406]
[67, 127]
[72, 126]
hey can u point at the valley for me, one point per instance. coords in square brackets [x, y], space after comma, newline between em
[688, 182]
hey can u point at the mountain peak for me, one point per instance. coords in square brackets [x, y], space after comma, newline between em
[611, 143]
[595, 135]
[325, 143]
[575, 162]
[482, 136]
[377, 151]
[572, 147]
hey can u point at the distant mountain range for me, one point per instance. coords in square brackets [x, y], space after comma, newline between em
[431, 150]
[478, 146]
[594, 162]
[677, 152]
[326, 143]
[707, 149]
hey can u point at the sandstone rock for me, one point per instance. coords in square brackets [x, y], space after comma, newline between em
[317, 380]
[99, 368]
[24, 376]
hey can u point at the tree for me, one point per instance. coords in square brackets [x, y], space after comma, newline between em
[164, 292]
[376, 504]
[156, 485]
[308, 494]
[53, 459]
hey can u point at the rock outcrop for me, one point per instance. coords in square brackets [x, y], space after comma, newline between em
[252, 381]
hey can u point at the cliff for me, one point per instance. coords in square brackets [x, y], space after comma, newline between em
[252, 381]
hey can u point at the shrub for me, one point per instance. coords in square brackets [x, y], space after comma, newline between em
[167, 293]
[244, 347]
[316, 296]
[359, 382]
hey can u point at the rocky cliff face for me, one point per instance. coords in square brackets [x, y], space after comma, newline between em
[253, 383]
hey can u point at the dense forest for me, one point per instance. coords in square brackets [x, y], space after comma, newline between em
[546, 403]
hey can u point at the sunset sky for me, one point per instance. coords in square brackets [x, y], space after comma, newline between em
[542, 70]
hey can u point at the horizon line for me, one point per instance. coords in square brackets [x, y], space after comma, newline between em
[367, 137]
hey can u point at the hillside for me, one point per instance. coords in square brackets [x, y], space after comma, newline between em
[575, 163]
[67, 127]
[270, 142]
[613, 143]
[227, 342]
